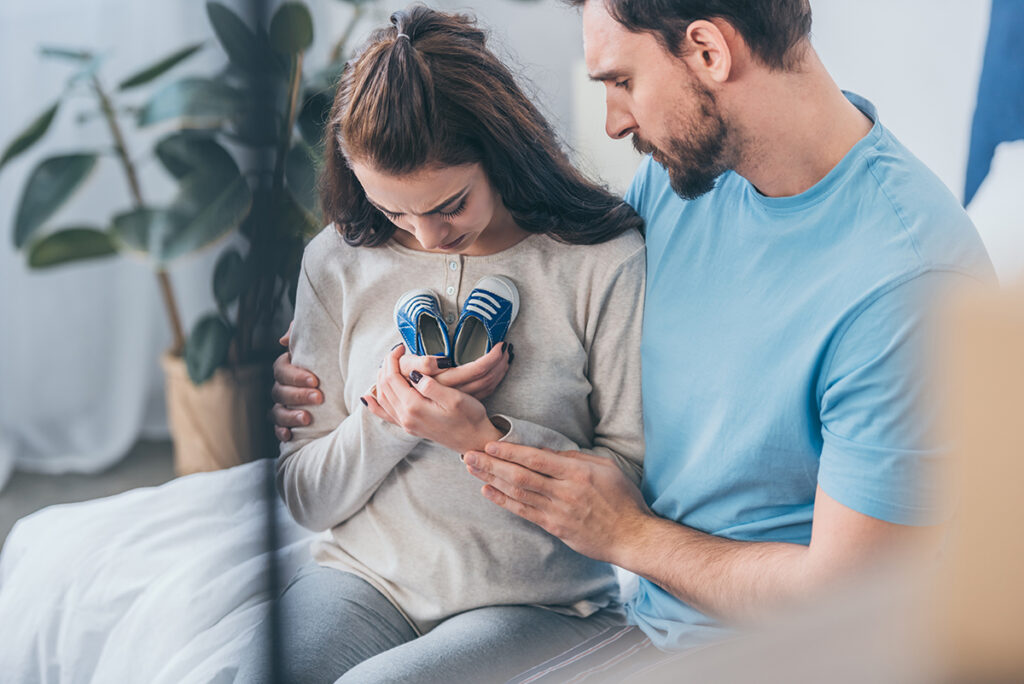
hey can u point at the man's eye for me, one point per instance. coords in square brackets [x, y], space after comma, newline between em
[624, 83]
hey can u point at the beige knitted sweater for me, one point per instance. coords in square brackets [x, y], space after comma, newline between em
[403, 513]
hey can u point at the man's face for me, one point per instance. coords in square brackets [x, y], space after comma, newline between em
[653, 95]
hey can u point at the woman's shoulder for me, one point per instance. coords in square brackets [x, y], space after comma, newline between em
[624, 247]
[327, 255]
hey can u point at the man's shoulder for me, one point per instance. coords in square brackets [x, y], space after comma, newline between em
[915, 205]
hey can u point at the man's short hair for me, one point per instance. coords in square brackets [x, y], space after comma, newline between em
[771, 28]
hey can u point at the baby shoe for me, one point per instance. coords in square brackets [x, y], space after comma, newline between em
[418, 314]
[486, 316]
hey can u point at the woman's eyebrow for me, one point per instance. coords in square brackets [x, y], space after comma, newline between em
[439, 207]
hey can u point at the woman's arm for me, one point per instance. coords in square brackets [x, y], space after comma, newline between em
[333, 466]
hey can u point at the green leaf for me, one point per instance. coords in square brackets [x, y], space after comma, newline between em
[207, 347]
[289, 218]
[49, 186]
[66, 53]
[203, 102]
[88, 62]
[155, 70]
[31, 135]
[300, 173]
[313, 118]
[70, 244]
[185, 152]
[291, 29]
[146, 230]
[235, 37]
[228, 277]
[209, 215]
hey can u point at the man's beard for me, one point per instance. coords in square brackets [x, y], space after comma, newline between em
[695, 161]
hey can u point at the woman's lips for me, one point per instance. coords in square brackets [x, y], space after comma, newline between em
[453, 244]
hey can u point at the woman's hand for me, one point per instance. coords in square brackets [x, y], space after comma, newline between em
[479, 378]
[424, 407]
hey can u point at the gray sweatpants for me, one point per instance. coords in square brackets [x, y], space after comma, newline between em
[336, 626]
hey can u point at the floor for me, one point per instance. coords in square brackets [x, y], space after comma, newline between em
[148, 463]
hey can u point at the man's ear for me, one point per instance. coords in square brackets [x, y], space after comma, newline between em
[708, 53]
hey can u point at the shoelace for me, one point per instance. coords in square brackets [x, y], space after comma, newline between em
[419, 304]
[484, 304]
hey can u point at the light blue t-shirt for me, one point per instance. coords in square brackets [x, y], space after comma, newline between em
[782, 343]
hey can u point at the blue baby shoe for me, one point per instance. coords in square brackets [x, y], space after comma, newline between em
[418, 314]
[486, 316]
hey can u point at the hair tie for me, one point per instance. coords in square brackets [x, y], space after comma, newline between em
[403, 35]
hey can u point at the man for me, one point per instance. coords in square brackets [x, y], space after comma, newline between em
[793, 245]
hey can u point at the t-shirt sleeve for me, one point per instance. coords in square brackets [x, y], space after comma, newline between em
[880, 454]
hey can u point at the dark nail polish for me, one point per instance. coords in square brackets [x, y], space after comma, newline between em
[445, 362]
[364, 401]
[511, 349]
[511, 358]
[415, 376]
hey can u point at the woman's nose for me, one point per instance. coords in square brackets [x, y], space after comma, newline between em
[431, 231]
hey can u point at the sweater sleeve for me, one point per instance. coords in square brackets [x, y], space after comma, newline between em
[613, 369]
[331, 468]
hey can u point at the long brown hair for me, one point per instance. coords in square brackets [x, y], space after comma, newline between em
[426, 92]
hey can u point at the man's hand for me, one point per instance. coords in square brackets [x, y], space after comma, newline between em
[584, 500]
[478, 378]
[424, 407]
[293, 386]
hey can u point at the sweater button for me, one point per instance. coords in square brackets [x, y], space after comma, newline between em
[454, 265]
[450, 290]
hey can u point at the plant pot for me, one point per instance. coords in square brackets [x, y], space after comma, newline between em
[220, 423]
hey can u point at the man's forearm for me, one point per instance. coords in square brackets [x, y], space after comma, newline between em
[720, 577]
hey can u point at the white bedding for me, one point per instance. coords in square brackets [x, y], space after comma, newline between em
[163, 584]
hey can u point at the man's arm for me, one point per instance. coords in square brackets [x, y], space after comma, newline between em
[597, 511]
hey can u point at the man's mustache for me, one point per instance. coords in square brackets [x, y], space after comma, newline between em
[642, 146]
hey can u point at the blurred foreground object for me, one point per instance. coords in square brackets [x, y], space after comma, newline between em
[983, 599]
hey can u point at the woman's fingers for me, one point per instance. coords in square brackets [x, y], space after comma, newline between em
[485, 386]
[425, 365]
[494, 361]
[374, 407]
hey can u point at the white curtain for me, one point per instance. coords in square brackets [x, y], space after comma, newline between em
[79, 344]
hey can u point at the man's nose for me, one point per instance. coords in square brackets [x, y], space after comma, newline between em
[619, 121]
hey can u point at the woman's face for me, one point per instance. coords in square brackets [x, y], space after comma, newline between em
[452, 209]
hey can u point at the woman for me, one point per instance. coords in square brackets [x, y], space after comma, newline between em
[439, 172]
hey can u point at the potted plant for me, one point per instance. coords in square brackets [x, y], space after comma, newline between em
[244, 161]
[264, 110]
[200, 213]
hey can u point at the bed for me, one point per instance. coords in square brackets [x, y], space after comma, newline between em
[161, 584]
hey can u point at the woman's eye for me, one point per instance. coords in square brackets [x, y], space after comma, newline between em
[391, 217]
[456, 212]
